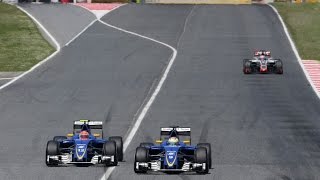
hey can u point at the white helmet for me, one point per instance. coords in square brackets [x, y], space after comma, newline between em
[173, 140]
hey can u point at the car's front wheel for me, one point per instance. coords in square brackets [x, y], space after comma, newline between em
[119, 144]
[201, 157]
[110, 149]
[141, 156]
[52, 150]
[208, 147]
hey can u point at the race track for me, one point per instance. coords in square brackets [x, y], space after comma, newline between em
[260, 126]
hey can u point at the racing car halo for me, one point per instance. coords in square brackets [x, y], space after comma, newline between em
[262, 62]
[173, 154]
[83, 147]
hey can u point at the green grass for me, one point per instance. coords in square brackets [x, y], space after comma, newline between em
[21, 44]
[303, 22]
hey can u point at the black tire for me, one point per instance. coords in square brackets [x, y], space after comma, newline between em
[146, 144]
[201, 157]
[142, 155]
[119, 144]
[53, 150]
[208, 147]
[279, 67]
[110, 149]
[247, 66]
[59, 138]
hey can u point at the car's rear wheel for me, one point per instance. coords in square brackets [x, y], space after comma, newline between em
[119, 144]
[59, 138]
[201, 157]
[247, 67]
[208, 147]
[110, 149]
[279, 67]
[141, 156]
[146, 144]
[52, 150]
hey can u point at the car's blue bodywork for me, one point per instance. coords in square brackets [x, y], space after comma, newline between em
[92, 148]
[171, 156]
[82, 150]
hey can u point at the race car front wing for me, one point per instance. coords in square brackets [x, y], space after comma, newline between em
[67, 159]
[156, 166]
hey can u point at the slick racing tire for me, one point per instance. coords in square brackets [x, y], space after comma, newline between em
[110, 149]
[208, 147]
[146, 144]
[59, 138]
[52, 150]
[279, 67]
[119, 144]
[142, 156]
[201, 157]
[247, 67]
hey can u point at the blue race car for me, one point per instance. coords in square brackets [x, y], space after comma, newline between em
[84, 147]
[173, 154]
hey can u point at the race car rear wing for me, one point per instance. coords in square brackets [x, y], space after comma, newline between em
[184, 133]
[181, 131]
[93, 124]
[96, 127]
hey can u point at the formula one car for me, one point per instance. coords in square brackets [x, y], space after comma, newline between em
[262, 62]
[84, 147]
[173, 154]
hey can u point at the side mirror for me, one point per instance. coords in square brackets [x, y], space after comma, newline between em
[159, 141]
[96, 135]
[70, 135]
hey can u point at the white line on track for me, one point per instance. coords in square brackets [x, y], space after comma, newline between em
[147, 106]
[67, 44]
[293, 46]
[97, 18]
[7, 78]
[41, 62]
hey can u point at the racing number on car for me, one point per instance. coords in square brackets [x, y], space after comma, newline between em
[81, 150]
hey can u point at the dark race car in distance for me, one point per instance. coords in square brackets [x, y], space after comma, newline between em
[262, 62]
[83, 147]
[173, 154]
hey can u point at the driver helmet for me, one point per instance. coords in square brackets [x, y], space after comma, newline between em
[84, 135]
[173, 140]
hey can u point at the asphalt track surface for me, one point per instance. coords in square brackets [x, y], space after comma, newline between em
[80, 82]
[63, 21]
[260, 126]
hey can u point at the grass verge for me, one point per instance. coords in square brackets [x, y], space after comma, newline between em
[303, 22]
[21, 44]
